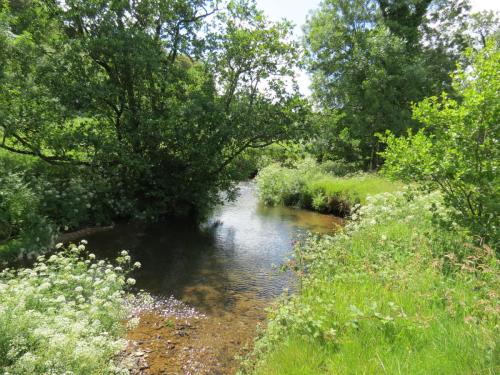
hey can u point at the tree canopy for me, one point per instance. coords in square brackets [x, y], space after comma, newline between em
[160, 97]
[371, 59]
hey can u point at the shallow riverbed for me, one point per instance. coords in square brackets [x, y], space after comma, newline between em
[227, 269]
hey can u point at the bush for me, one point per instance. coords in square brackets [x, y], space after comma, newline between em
[306, 185]
[340, 168]
[24, 230]
[286, 186]
[457, 151]
[37, 200]
[394, 290]
[64, 315]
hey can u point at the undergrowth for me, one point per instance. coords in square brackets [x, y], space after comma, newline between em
[64, 315]
[309, 185]
[393, 294]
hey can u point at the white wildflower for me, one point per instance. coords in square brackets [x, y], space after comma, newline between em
[44, 286]
[61, 299]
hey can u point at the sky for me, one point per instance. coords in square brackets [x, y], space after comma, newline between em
[298, 10]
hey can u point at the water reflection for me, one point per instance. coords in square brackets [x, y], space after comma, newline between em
[228, 259]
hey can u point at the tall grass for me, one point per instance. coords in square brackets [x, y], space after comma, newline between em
[392, 295]
[308, 185]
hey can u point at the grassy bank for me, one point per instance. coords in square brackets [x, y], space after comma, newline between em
[309, 185]
[63, 315]
[394, 294]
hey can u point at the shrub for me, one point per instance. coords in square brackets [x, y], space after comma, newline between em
[307, 185]
[38, 199]
[340, 168]
[63, 315]
[457, 151]
[286, 186]
[24, 230]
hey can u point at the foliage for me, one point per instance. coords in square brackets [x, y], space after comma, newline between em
[279, 185]
[24, 230]
[38, 200]
[457, 150]
[333, 142]
[394, 290]
[132, 92]
[371, 59]
[310, 185]
[64, 314]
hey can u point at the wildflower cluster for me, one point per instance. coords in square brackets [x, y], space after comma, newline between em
[398, 205]
[63, 315]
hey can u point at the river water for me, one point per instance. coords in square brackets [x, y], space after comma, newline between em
[227, 269]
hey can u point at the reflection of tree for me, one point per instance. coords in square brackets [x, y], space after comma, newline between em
[178, 258]
[214, 267]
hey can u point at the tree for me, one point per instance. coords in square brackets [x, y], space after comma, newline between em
[160, 97]
[371, 59]
[487, 26]
[457, 150]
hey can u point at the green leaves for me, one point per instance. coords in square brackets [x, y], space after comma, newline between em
[162, 97]
[457, 150]
[370, 60]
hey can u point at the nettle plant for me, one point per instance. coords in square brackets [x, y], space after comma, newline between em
[456, 151]
[65, 314]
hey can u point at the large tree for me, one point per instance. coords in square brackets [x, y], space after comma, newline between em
[371, 59]
[160, 97]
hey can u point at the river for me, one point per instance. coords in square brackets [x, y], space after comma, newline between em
[227, 269]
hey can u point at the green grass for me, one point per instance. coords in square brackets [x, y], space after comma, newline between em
[350, 189]
[309, 186]
[393, 295]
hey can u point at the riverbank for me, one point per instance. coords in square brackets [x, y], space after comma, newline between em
[310, 185]
[65, 313]
[218, 269]
[393, 294]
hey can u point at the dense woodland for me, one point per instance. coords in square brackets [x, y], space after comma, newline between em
[128, 110]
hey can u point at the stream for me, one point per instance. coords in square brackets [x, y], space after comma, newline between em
[225, 272]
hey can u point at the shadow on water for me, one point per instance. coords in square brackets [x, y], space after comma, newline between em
[223, 268]
[211, 265]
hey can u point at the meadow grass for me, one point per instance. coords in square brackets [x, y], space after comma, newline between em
[307, 185]
[394, 294]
